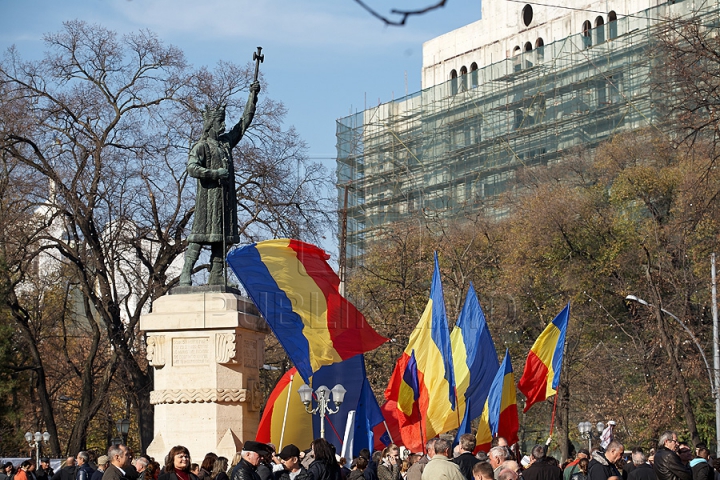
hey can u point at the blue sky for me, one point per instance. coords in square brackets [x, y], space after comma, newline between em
[323, 58]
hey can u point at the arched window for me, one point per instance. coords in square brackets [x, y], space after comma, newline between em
[599, 30]
[463, 78]
[527, 48]
[586, 32]
[453, 82]
[474, 75]
[517, 63]
[540, 49]
[612, 25]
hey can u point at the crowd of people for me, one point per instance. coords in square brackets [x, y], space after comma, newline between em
[672, 460]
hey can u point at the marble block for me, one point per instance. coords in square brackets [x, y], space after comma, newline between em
[207, 349]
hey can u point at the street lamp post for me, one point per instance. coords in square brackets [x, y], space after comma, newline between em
[586, 432]
[713, 383]
[123, 426]
[323, 395]
[34, 442]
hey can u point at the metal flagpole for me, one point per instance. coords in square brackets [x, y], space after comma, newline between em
[287, 406]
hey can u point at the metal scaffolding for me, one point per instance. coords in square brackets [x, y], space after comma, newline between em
[453, 148]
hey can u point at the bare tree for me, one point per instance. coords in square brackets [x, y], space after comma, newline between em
[106, 122]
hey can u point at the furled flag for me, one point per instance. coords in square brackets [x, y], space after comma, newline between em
[296, 291]
[499, 416]
[541, 376]
[430, 343]
[300, 428]
[474, 362]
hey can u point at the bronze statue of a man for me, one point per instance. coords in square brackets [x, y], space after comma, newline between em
[215, 202]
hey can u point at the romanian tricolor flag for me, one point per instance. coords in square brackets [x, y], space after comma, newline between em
[474, 362]
[541, 376]
[499, 416]
[285, 420]
[429, 346]
[297, 292]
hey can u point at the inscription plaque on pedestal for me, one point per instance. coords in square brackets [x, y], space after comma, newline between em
[191, 351]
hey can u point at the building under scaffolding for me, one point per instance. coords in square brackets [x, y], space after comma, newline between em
[452, 148]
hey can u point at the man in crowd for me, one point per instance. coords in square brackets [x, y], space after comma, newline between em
[572, 467]
[483, 471]
[440, 467]
[416, 469]
[141, 466]
[119, 461]
[290, 458]
[45, 472]
[67, 472]
[466, 460]
[370, 472]
[541, 468]
[667, 464]
[84, 471]
[496, 456]
[701, 468]
[602, 466]
[252, 453]
[629, 466]
[102, 463]
[642, 470]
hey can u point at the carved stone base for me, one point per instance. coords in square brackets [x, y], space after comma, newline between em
[206, 349]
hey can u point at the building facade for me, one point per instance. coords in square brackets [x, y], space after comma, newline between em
[519, 88]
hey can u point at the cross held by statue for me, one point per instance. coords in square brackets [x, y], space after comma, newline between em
[258, 58]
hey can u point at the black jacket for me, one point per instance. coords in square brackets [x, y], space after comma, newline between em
[285, 474]
[171, 476]
[244, 470]
[600, 468]
[701, 469]
[321, 471]
[541, 469]
[466, 461]
[642, 472]
[668, 466]
[65, 473]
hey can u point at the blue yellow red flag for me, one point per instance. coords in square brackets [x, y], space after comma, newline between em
[499, 416]
[429, 345]
[297, 293]
[541, 376]
[475, 363]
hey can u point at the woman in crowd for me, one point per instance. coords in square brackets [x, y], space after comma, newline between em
[22, 472]
[219, 471]
[583, 469]
[177, 465]
[325, 466]
[207, 466]
[389, 468]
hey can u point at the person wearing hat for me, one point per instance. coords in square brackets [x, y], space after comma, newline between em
[45, 472]
[292, 468]
[252, 453]
[102, 463]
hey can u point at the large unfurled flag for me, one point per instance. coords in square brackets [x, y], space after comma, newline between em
[541, 376]
[474, 362]
[300, 428]
[297, 292]
[499, 416]
[429, 345]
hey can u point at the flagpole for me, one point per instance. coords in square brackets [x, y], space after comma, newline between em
[287, 406]
[388, 431]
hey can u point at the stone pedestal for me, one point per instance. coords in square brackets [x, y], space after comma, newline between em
[206, 348]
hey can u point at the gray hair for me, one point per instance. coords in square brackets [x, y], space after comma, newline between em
[115, 450]
[639, 458]
[84, 455]
[430, 444]
[500, 452]
[442, 445]
[668, 435]
[538, 452]
[142, 461]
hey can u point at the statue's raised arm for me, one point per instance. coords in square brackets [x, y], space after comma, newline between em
[237, 132]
